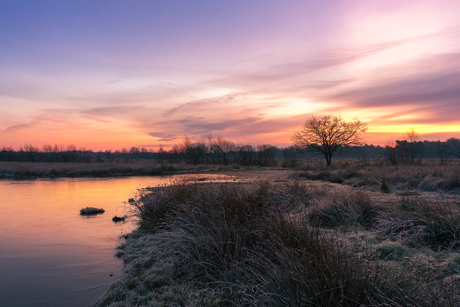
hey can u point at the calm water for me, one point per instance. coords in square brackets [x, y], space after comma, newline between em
[50, 255]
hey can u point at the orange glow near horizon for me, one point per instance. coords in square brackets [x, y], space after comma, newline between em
[252, 72]
[101, 139]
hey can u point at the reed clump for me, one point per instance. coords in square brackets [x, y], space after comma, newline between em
[345, 209]
[419, 221]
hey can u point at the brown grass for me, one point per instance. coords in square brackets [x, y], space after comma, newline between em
[431, 223]
[425, 176]
[276, 244]
[30, 170]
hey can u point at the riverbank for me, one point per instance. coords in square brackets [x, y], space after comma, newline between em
[285, 240]
[33, 170]
[428, 175]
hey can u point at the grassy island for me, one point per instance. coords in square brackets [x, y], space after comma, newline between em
[378, 236]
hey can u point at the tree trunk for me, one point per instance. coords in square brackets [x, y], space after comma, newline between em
[328, 159]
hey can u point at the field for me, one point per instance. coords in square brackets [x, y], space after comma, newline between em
[348, 235]
[32, 170]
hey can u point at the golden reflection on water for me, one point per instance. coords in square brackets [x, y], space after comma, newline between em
[50, 255]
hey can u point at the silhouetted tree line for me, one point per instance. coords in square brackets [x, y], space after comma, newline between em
[217, 150]
[410, 151]
[56, 153]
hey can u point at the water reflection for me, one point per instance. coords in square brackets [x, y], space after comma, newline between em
[50, 255]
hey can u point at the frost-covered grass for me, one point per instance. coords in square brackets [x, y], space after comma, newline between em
[287, 244]
[425, 176]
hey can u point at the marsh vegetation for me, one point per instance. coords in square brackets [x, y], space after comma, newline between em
[32, 170]
[304, 238]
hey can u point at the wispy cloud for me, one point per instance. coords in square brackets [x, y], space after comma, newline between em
[205, 102]
[19, 127]
[309, 65]
[163, 136]
[197, 125]
[428, 89]
[109, 111]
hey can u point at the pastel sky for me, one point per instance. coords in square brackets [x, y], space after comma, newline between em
[107, 74]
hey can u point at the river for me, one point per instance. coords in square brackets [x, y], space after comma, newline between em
[50, 255]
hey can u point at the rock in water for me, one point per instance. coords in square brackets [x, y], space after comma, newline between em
[118, 219]
[91, 211]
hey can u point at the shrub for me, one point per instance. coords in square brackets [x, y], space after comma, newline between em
[54, 173]
[346, 209]
[384, 187]
[335, 178]
[295, 187]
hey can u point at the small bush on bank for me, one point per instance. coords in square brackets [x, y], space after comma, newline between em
[384, 187]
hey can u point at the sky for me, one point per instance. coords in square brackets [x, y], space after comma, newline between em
[107, 74]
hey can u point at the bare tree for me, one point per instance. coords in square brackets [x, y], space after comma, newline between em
[454, 146]
[290, 155]
[220, 149]
[194, 152]
[442, 151]
[246, 155]
[266, 155]
[412, 137]
[390, 152]
[329, 133]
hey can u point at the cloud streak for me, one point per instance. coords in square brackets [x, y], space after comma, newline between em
[255, 75]
[205, 102]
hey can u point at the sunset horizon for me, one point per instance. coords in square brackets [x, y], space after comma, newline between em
[112, 75]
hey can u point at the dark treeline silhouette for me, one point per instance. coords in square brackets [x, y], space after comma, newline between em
[56, 153]
[217, 150]
[408, 151]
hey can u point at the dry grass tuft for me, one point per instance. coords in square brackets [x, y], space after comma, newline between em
[419, 221]
[345, 210]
